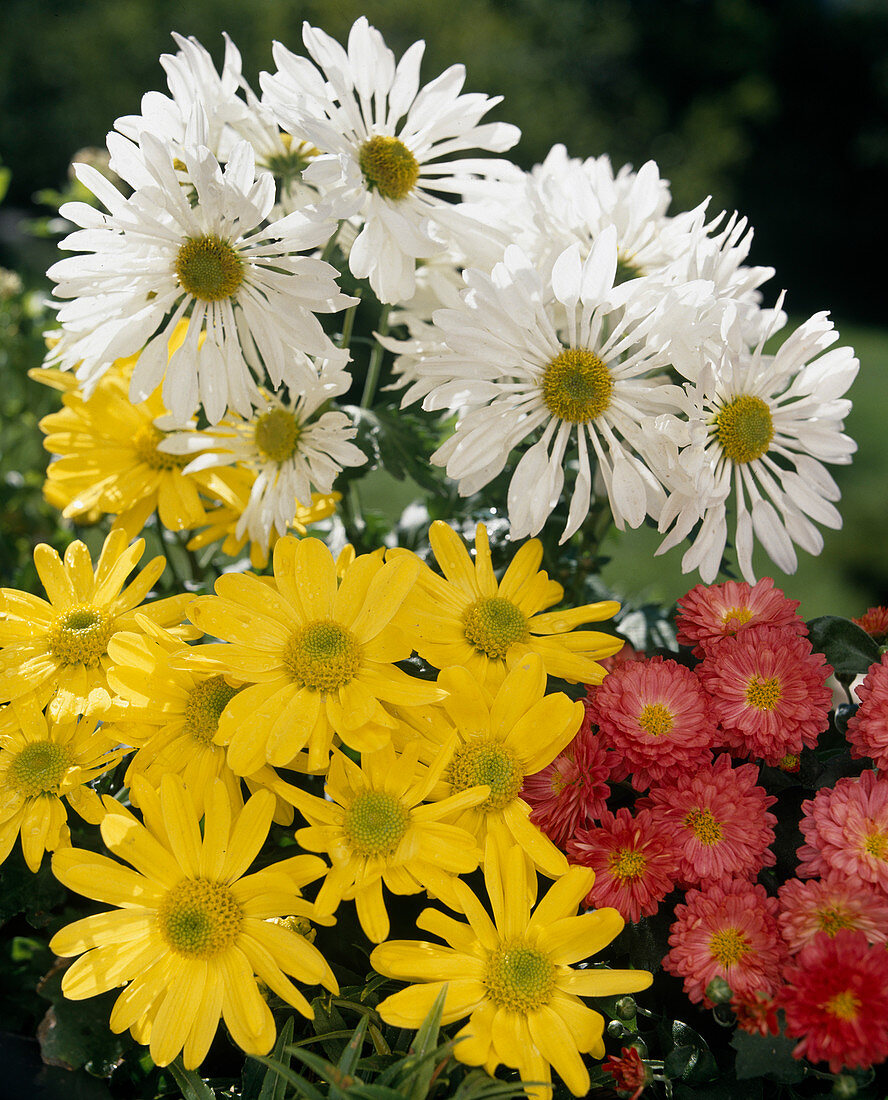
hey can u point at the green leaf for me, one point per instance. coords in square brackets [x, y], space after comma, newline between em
[192, 1084]
[766, 1056]
[306, 1090]
[274, 1086]
[424, 1046]
[848, 648]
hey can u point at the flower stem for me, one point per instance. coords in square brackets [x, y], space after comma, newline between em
[375, 364]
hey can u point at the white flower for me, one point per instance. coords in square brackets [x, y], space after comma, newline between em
[388, 146]
[167, 252]
[763, 425]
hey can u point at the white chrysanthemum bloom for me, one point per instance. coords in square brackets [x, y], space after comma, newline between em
[205, 253]
[388, 146]
[568, 360]
[763, 425]
[291, 450]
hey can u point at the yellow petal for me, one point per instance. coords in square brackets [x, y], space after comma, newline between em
[562, 898]
[451, 554]
[601, 982]
[554, 1041]
[203, 1028]
[549, 859]
[410, 1006]
[104, 929]
[248, 834]
[243, 1008]
[178, 1010]
[102, 879]
[180, 819]
[313, 572]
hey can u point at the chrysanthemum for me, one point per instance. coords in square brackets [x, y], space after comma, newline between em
[41, 763]
[829, 905]
[836, 1001]
[756, 1013]
[469, 618]
[768, 692]
[511, 976]
[717, 821]
[59, 648]
[846, 830]
[629, 1072]
[634, 863]
[868, 729]
[709, 613]
[656, 717]
[318, 653]
[875, 622]
[192, 933]
[729, 932]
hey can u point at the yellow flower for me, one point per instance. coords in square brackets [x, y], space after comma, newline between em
[192, 933]
[468, 618]
[511, 975]
[59, 649]
[374, 830]
[42, 763]
[317, 651]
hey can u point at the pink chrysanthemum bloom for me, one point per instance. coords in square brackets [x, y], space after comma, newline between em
[768, 692]
[829, 905]
[868, 729]
[634, 864]
[572, 791]
[655, 716]
[756, 1013]
[836, 1001]
[875, 622]
[628, 1072]
[710, 613]
[717, 821]
[727, 932]
[846, 830]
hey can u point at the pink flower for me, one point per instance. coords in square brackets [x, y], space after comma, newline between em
[628, 1072]
[829, 905]
[868, 729]
[572, 791]
[875, 622]
[768, 692]
[714, 612]
[756, 1013]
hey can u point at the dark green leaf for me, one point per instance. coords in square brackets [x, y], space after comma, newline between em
[766, 1055]
[191, 1083]
[848, 649]
[274, 1085]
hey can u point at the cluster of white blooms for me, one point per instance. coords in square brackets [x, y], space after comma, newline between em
[561, 322]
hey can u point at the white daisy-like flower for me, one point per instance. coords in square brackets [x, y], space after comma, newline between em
[568, 360]
[202, 252]
[387, 146]
[290, 449]
[763, 425]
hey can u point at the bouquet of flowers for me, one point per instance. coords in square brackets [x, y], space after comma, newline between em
[332, 722]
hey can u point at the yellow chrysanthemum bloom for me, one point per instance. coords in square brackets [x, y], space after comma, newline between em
[192, 933]
[375, 830]
[468, 618]
[59, 649]
[512, 975]
[502, 737]
[318, 653]
[41, 764]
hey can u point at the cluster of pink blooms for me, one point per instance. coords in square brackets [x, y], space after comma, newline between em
[661, 791]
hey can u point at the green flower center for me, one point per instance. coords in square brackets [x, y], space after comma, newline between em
[704, 826]
[289, 165]
[323, 656]
[145, 444]
[519, 977]
[492, 624]
[626, 270]
[375, 823]
[844, 1005]
[485, 761]
[577, 385]
[656, 719]
[728, 946]
[763, 694]
[39, 768]
[627, 865]
[276, 435]
[209, 268]
[204, 707]
[388, 166]
[80, 636]
[199, 918]
[744, 428]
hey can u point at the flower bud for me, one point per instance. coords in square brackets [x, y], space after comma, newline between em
[718, 991]
[625, 1008]
[844, 1086]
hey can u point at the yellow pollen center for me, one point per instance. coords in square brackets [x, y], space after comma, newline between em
[844, 1005]
[276, 435]
[388, 166]
[80, 636]
[734, 617]
[557, 782]
[39, 768]
[728, 946]
[577, 386]
[493, 624]
[763, 694]
[656, 719]
[209, 268]
[323, 656]
[627, 865]
[199, 918]
[704, 826]
[833, 919]
[145, 444]
[485, 761]
[204, 707]
[744, 428]
[876, 844]
[375, 823]
[519, 978]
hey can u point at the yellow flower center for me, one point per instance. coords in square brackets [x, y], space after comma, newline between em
[80, 636]
[485, 761]
[388, 166]
[728, 946]
[627, 865]
[577, 385]
[39, 768]
[656, 719]
[763, 694]
[832, 919]
[145, 444]
[204, 707]
[744, 428]
[732, 617]
[557, 782]
[199, 918]
[519, 977]
[276, 435]
[209, 268]
[844, 1005]
[790, 762]
[323, 656]
[375, 823]
[876, 844]
[704, 826]
[492, 624]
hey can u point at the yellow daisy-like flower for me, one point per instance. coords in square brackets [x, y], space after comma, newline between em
[512, 975]
[192, 933]
[375, 830]
[43, 765]
[469, 618]
[59, 649]
[317, 651]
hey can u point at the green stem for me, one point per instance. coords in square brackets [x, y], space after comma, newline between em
[331, 244]
[375, 364]
[348, 323]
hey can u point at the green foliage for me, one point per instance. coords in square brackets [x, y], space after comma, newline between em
[848, 649]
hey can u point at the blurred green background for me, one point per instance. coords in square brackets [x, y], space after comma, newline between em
[777, 108]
